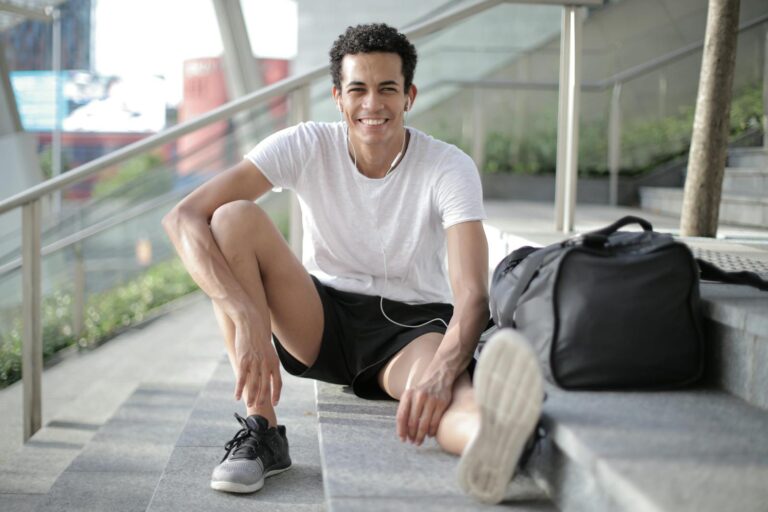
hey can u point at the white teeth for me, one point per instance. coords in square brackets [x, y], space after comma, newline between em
[373, 122]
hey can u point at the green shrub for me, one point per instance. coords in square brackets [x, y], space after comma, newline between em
[644, 144]
[106, 314]
[139, 177]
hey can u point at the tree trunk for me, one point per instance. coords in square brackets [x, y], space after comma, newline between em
[709, 142]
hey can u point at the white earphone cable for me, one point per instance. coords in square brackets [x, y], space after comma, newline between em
[381, 242]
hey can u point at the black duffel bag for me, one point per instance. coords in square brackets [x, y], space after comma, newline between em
[609, 309]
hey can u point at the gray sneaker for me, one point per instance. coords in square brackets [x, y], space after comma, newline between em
[509, 392]
[255, 453]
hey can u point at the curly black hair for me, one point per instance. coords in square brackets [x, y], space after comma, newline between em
[374, 37]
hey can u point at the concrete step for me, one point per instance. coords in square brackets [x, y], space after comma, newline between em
[367, 467]
[736, 317]
[746, 182]
[185, 482]
[736, 329]
[120, 466]
[748, 157]
[734, 209]
[28, 474]
[86, 392]
[678, 451]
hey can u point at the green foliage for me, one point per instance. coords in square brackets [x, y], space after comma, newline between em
[106, 314]
[645, 144]
[747, 110]
[139, 177]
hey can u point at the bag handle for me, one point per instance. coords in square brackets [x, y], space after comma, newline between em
[711, 272]
[624, 221]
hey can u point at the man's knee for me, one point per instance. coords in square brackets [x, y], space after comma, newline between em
[230, 221]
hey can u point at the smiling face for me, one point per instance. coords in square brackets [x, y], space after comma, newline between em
[372, 98]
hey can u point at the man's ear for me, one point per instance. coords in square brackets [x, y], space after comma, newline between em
[412, 91]
[336, 95]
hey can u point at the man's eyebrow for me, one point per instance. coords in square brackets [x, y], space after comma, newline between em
[358, 83]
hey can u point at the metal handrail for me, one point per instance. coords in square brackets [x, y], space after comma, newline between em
[103, 225]
[599, 85]
[222, 112]
[227, 110]
[653, 64]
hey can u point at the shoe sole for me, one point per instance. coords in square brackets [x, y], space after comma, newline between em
[235, 487]
[509, 392]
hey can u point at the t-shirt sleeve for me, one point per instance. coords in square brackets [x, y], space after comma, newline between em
[458, 191]
[282, 156]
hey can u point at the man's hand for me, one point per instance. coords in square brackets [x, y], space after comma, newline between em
[422, 407]
[258, 368]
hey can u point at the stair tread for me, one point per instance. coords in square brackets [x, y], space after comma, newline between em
[726, 196]
[365, 463]
[185, 482]
[746, 171]
[698, 450]
[120, 466]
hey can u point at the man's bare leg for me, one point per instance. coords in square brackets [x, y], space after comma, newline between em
[506, 405]
[279, 286]
[460, 421]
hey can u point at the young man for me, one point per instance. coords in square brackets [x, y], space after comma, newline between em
[373, 306]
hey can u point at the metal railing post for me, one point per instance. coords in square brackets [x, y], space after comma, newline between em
[300, 112]
[32, 338]
[614, 144]
[568, 120]
[56, 146]
[78, 294]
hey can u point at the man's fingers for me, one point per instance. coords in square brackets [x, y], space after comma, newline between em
[265, 389]
[277, 386]
[424, 422]
[437, 416]
[242, 375]
[403, 413]
[415, 416]
[253, 385]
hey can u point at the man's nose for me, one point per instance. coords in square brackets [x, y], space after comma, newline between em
[372, 101]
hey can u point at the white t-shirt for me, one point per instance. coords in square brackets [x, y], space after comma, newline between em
[348, 219]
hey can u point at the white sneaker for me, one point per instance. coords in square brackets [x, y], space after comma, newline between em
[509, 393]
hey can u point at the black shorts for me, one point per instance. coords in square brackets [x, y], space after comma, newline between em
[358, 341]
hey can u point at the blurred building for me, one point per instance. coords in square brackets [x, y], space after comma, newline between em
[28, 44]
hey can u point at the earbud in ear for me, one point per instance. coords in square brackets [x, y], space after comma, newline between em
[338, 105]
[408, 104]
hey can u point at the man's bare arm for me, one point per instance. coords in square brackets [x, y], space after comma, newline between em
[188, 227]
[422, 407]
[468, 272]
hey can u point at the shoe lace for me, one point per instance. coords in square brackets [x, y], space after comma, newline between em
[245, 436]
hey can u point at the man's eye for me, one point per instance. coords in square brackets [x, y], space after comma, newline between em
[389, 89]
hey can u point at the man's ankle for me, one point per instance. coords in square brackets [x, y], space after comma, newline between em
[269, 415]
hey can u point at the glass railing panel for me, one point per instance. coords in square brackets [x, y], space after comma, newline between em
[480, 47]
[106, 260]
[658, 107]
